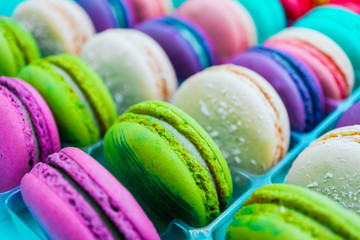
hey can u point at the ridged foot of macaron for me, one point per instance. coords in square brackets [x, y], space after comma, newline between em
[330, 165]
[17, 47]
[169, 163]
[73, 197]
[58, 25]
[284, 211]
[28, 132]
[133, 66]
[242, 112]
[77, 96]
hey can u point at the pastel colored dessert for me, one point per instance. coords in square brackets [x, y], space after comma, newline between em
[77, 96]
[17, 47]
[242, 112]
[107, 14]
[145, 9]
[269, 19]
[350, 117]
[169, 163]
[296, 9]
[57, 25]
[328, 61]
[133, 66]
[283, 211]
[353, 5]
[28, 132]
[293, 80]
[341, 25]
[227, 22]
[73, 197]
[330, 165]
[177, 3]
[188, 47]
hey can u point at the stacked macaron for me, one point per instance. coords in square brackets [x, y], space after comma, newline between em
[295, 9]
[352, 5]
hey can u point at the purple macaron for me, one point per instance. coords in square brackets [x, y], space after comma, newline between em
[73, 197]
[28, 132]
[295, 82]
[350, 117]
[188, 47]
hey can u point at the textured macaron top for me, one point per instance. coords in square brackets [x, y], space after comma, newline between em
[326, 51]
[71, 87]
[102, 205]
[184, 145]
[313, 214]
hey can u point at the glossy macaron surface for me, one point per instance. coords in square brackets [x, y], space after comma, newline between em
[28, 134]
[156, 145]
[242, 112]
[77, 96]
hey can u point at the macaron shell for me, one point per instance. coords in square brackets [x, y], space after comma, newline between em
[145, 9]
[295, 9]
[134, 68]
[39, 198]
[283, 83]
[350, 117]
[222, 95]
[229, 34]
[349, 4]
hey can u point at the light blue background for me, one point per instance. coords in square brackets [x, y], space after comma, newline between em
[7, 6]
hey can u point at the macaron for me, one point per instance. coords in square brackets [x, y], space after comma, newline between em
[282, 211]
[107, 14]
[145, 9]
[228, 23]
[293, 80]
[72, 196]
[17, 47]
[177, 3]
[296, 9]
[350, 116]
[28, 131]
[353, 5]
[169, 163]
[268, 15]
[330, 165]
[77, 96]
[328, 61]
[133, 66]
[242, 112]
[190, 49]
[58, 25]
[341, 25]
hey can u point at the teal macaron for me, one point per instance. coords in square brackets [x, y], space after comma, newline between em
[77, 97]
[17, 47]
[169, 163]
[341, 25]
[282, 211]
[268, 15]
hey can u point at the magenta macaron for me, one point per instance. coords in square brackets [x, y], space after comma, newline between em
[28, 132]
[74, 197]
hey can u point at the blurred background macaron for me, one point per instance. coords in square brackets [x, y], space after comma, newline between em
[296, 9]
[77, 96]
[350, 116]
[294, 81]
[187, 45]
[17, 47]
[353, 5]
[28, 132]
[242, 112]
[73, 197]
[330, 165]
[57, 25]
[227, 22]
[133, 66]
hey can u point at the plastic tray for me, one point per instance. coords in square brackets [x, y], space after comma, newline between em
[18, 218]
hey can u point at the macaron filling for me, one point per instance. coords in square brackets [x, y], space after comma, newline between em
[32, 142]
[79, 93]
[188, 145]
[193, 38]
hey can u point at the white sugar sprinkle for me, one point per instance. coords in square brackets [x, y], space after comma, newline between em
[282, 208]
[236, 151]
[329, 175]
[237, 159]
[314, 184]
[214, 134]
[204, 108]
[253, 162]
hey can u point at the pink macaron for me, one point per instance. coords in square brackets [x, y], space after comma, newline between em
[28, 132]
[294, 9]
[145, 9]
[227, 22]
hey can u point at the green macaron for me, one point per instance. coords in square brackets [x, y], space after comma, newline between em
[17, 47]
[77, 96]
[283, 211]
[169, 163]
